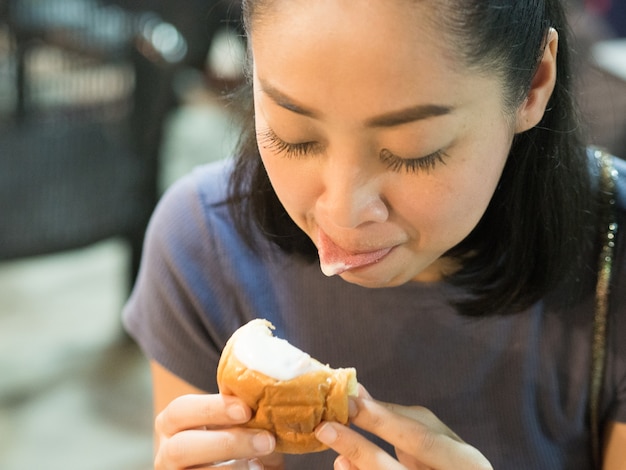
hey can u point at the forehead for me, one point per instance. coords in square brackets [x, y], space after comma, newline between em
[330, 15]
[378, 52]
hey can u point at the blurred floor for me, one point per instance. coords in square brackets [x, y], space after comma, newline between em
[74, 391]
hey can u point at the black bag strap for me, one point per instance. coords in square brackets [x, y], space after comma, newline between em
[607, 178]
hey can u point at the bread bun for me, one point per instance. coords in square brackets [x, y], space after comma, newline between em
[288, 407]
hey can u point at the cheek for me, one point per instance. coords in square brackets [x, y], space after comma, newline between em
[469, 199]
[295, 185]
[453, 203]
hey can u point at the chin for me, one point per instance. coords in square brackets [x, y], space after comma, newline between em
[374, 276]
[372, 282]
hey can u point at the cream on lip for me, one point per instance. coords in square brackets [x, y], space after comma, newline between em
[353, 261]
[335, 260]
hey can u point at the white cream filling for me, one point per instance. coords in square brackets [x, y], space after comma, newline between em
[330, 269]
[259, 350]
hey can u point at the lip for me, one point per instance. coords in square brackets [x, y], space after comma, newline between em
[336, 260]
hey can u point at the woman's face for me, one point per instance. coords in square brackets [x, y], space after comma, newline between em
[381, 146]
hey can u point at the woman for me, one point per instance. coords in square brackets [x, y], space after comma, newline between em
[427, 153]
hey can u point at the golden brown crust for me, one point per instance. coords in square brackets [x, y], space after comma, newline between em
[290, 409]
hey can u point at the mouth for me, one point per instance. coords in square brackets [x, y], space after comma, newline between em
[335, 260]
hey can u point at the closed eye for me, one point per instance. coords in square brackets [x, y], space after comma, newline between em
[270, 141]
[412, 165]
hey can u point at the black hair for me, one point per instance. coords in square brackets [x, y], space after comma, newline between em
[537, 232]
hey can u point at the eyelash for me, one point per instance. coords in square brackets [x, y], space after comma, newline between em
[269, 140]
[413, 165]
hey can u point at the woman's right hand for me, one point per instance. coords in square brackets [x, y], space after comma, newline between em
[204, 431]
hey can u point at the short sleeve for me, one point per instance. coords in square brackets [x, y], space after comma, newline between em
[177, 310]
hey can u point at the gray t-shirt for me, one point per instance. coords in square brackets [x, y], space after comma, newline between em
[516, 387]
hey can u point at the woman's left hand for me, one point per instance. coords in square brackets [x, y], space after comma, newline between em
[420, 439]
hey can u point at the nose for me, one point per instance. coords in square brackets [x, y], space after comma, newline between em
[352, 193]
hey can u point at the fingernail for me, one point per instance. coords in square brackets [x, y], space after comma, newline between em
[342, 463]
[237, 412]
[363, 393]
[255, 465]
[326, 434]
[263, 442]
[353, 408]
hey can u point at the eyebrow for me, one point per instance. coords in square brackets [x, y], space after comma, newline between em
[390, 119]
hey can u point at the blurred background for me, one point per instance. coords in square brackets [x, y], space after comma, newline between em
[103, 104]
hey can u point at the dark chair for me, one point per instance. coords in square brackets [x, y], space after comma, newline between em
[82, 104]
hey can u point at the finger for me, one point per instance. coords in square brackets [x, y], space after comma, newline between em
[423, 415]
[363, 393]
[196, 411]
[409, 461]
[343, 463]
[415, 413]
[254, 464]
[232, 465]
[431, 443]
[352, 406]
[360, 452]
[273, 461]
[196, 448]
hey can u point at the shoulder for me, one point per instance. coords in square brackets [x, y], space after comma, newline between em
[198, 280]
[183, 215]
[206, 185]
